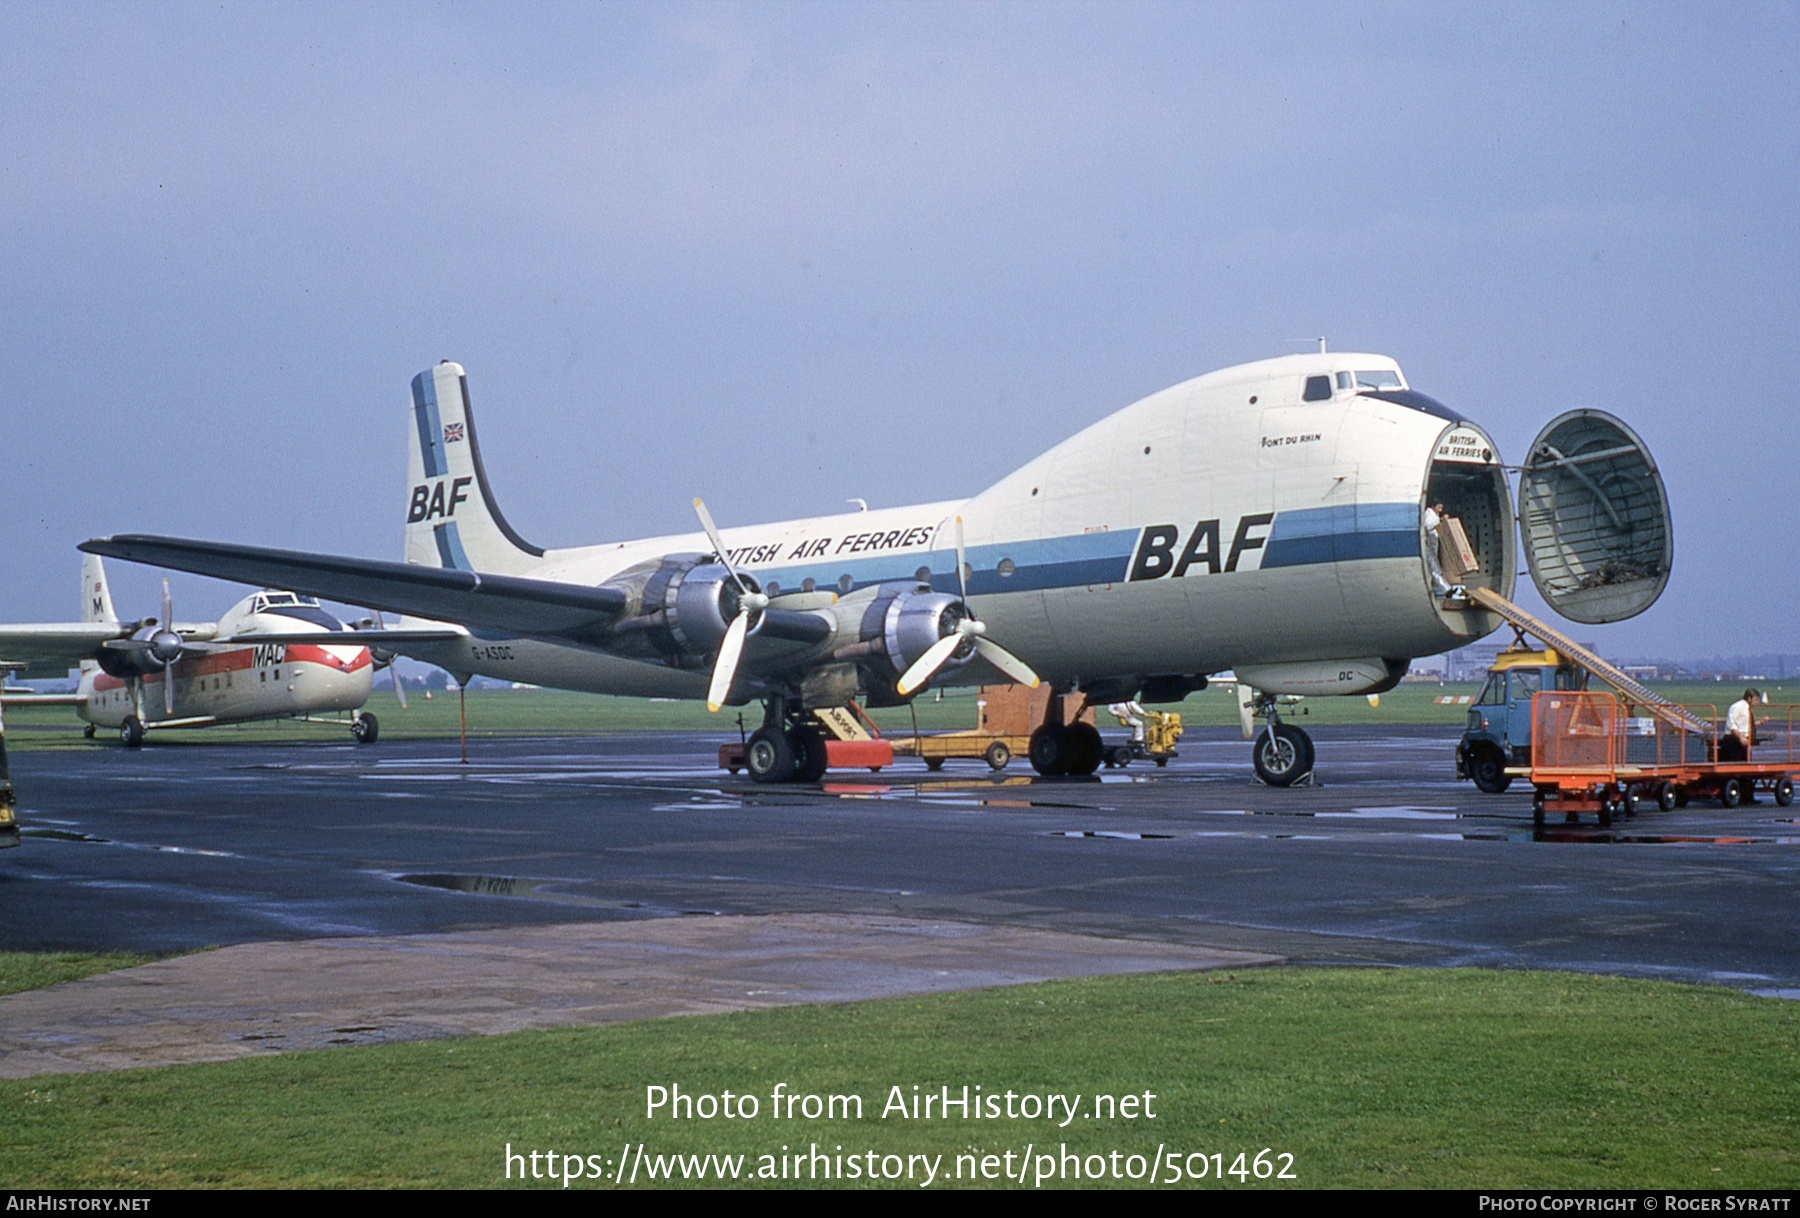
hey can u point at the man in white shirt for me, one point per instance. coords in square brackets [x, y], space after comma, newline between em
[1740, 730]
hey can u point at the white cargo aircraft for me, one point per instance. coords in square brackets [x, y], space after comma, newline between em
[274, 655]
[1267, 518]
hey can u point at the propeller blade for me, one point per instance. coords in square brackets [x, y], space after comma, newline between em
[962, 564]
[168, 665]
[1006, 662]
[399, 687]
[726, 667]
[927, 665]
[712, 535]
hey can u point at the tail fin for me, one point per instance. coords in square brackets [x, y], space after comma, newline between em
[96, 597]
[451, 517]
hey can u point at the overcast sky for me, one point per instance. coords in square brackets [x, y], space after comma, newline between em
[779, 255]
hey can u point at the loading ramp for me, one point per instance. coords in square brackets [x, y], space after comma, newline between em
[1659, 707]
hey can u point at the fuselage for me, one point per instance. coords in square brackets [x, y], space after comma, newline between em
[229, 684]
[1266, 517]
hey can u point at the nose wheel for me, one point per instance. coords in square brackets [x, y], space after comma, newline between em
[1282, 755]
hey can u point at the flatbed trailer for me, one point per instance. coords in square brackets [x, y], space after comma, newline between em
[1590, 754]
[997, 749]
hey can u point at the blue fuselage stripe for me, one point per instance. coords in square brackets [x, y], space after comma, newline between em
[1343, 534]
[1296, 538]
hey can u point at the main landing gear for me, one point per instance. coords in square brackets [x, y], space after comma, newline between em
[1059, 748]
[1281, 753]
[786, 748]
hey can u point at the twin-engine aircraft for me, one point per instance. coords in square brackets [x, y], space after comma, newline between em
[275, 654]
[1269, 518]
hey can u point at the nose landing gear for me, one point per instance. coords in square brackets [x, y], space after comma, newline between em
[1281, 753]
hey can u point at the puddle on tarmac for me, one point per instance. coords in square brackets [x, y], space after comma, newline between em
[70, 835]
[480, 885]
[542, 890]
[62, 835]
[1653, 839]
[1602, 836]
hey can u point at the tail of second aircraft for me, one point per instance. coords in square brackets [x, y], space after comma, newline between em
[451, 517]
[96, 597]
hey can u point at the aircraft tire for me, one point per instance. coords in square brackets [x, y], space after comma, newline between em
[1488, 768]
[131, 732]
[769, 756]
[1281, 755]
[89, 731]
[365, 729]
[1048, 752]
[810, 758]
[1084, 749]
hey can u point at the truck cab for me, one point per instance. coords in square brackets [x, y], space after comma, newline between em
[1498, 733]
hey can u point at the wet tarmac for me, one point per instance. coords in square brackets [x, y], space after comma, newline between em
[1390, 860]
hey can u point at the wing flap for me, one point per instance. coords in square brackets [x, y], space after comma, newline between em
[496, 602]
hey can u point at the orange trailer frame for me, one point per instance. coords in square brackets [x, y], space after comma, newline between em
[1588, 756]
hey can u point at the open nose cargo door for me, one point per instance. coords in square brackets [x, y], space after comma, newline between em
[1594, 518]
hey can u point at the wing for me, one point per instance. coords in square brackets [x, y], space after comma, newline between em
[50, 649]
[538, 607]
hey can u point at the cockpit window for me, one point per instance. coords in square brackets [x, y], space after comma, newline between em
[1343, 380]
[1378, 380]
[1318, 389]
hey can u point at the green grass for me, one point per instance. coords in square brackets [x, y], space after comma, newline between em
[1370, 1078]
[34, 970]
[499, 713]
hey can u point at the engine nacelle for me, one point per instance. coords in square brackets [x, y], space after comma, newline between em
[901, 624]
[684, 605]
[147, 651]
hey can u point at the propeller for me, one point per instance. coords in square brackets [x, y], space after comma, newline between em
[750, 603]
[157, 645]
[969, 632]
[384, 658]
